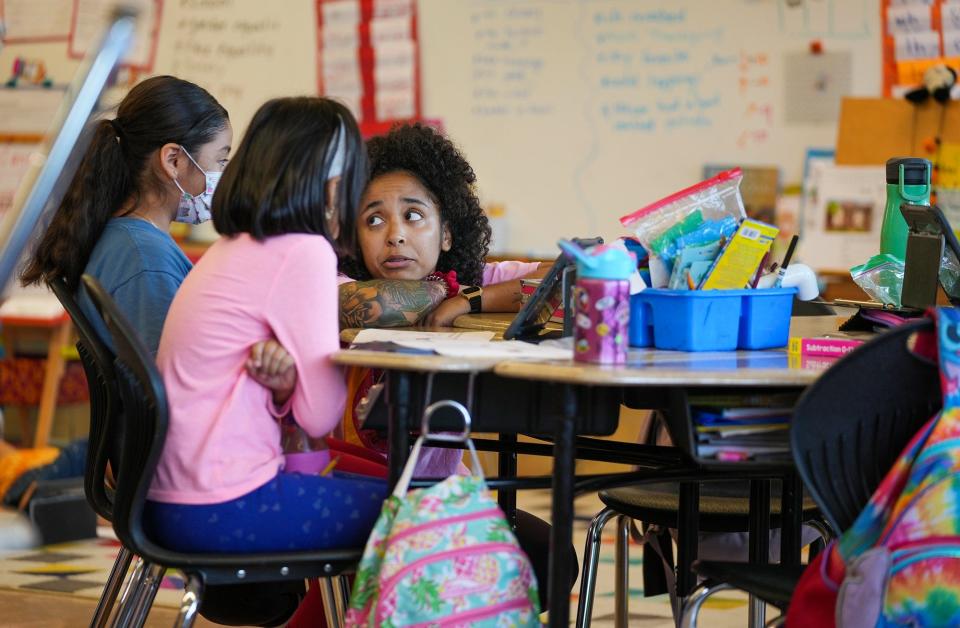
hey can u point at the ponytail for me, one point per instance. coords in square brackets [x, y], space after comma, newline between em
[100, 186]
[115, 170]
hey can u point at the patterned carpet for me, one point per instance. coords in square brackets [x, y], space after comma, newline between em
[81, 568]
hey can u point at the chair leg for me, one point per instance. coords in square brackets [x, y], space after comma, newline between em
[591, 557]
[330, 609]
[622, 568]
[112, 588]
[190, 602]
[823, 529]
[342, 586]
[130, 594]
[756, 612]
[690, 607]
[151, 583]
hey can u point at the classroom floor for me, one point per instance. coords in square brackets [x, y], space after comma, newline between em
[58, 585]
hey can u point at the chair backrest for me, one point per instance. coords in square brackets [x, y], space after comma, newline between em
[97, 359]
[851, 425]
[144, 419]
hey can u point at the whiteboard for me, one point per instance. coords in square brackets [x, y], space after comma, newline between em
[572, 112]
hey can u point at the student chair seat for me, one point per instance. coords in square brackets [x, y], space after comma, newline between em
[848, 429]
[105, 405]
[144, 419]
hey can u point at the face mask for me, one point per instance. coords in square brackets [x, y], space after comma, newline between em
[192, 209]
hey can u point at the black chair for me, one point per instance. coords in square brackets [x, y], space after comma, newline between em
[105, 405]
[724, 506]
[847, 430]
[145, 425]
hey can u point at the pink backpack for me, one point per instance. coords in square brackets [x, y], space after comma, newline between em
[443, 555]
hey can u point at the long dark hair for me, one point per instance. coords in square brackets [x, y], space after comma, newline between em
[276, 182]
[442, 169]
[113, 171]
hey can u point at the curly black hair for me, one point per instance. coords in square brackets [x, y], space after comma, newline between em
[445, 173]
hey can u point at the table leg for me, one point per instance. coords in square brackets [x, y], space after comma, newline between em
[507, 468]
[561, 531]
[53, 373]
[759, 533]
[688, 540]
[398, 425]
[792, 519]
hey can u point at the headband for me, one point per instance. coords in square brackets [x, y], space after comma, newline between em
[340, 156]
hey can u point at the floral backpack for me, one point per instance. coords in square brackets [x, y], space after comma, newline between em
[443, 555]
[899, 563]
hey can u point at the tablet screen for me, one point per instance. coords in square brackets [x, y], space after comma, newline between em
[545, 300]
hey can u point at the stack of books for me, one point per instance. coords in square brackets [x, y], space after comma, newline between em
[734, 434]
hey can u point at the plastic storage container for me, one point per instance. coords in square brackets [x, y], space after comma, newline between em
[711, 320]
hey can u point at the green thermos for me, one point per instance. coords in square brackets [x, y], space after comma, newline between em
[908, 180]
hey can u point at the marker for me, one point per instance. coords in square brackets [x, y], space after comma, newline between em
[786, 260]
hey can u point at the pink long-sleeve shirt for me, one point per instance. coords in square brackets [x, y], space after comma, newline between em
[223, 439]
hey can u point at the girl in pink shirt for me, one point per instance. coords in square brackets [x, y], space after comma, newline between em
[288, 195]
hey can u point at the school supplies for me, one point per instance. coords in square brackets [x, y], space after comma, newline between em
[443, 555]
[740, 259]
[696, 215]
[786, 260]
[742, 433]
[823, 346]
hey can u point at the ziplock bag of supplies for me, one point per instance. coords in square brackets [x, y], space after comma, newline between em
[699, 208]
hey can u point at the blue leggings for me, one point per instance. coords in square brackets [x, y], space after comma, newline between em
[290, 512]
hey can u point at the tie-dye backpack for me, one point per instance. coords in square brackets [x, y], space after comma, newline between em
[899, 563]
[443, 555]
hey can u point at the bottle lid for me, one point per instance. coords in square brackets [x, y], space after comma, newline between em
[916, 171]
[603, 261]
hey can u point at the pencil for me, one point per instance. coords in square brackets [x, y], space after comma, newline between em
[327, 470]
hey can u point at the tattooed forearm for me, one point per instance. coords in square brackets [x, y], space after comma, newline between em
[388, 302]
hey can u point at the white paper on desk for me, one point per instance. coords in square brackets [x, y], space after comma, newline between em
[505, 350]
[404, 337]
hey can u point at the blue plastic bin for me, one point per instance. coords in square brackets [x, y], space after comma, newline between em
[765, 318]
[711, 320]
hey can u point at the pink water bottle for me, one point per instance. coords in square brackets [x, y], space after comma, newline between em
[601, 301]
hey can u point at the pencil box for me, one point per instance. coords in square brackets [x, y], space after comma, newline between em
[711, 320]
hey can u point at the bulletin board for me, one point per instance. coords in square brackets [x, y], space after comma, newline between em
[572, 112]
[916, 35]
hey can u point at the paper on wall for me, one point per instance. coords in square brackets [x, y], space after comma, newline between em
[842, 228]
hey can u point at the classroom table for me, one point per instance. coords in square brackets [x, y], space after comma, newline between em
[496, 322]
[569, 395]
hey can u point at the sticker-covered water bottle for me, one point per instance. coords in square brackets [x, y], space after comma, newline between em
[601, 301]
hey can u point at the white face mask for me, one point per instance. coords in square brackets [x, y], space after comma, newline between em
[192, 209]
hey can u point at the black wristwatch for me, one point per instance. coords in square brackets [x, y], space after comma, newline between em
[473, 295]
